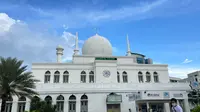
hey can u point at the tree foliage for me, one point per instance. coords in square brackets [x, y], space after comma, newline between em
[37, 105]
[196, 109]
[15, 80]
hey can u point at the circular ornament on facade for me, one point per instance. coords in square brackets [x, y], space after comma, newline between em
[106, 73]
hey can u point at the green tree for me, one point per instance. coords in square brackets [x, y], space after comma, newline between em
[37, 105]
[196, 109]
[15, 80]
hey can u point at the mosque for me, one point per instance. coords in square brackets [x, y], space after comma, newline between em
[97, 81]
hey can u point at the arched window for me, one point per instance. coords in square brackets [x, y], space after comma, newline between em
[125, 77]
[57, 72]
[118, 77]
[47, 77]
[48, 99]
[8, 106]
[84, 103]
[65, 77]
[140, 77]
[66, 72]
[83, 72]
[91, 77]
[72, 103]
[21, 104]
[112, 93]
[56, 77]
[83, 77]
[60, 103]
[47, 72]
[155, 76]
[148, 77]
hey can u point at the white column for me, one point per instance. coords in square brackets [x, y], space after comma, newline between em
[14, 106]
[152, 78]
[78, 105]
[51, 78]
[144, 78]
[186, 105]
[87, 77]
[0, 104]
[27, 107]
[167, 107]
[147, 105]
[178, 102]
[61, 79]
[66, 104]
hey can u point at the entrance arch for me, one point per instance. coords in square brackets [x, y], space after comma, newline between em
[113, 102]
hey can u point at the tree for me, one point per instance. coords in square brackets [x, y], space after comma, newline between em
[37, 105]
[196, 109]
[15, 80]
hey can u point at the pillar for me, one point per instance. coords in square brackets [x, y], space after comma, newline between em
[28, 104]
[14, 106]
[66, 105]
[78, 105]
[167, 107]
[178, 103]
[61, 79]
[147, 105]
[52, 78]
[0, 104]
[186, 105]
[152, 78]
[144, 78]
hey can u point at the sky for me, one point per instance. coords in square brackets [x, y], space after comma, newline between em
[168, 31]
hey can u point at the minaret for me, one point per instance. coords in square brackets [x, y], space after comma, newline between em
[76, 50]
[59, 53]
[128, 47]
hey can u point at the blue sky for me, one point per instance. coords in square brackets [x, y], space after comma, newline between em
[165, 30]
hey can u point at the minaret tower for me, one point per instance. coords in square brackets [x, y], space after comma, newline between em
[76, 50]
[128, 47]
[59, 53]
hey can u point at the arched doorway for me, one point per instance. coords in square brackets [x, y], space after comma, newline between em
[72, 103]
[21, 104]
[60, 103]
[84, 103]
[113, 102]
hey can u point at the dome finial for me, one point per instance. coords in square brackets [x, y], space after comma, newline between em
[96, 31]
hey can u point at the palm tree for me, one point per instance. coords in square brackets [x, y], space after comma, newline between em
[15, 80]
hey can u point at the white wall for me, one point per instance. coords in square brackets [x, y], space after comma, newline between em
[98, 67]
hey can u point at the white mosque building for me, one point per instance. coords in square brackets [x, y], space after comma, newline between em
[97, 81]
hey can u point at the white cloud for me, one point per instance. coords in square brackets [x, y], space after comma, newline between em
[5, 23]
[181, 71]
[74, 17]
[78, 17]
[19, 40]
[187, 61]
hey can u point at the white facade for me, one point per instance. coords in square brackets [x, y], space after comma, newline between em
[120, 76]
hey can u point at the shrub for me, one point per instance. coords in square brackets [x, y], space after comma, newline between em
[196, 109]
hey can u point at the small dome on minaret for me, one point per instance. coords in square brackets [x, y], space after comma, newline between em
[59, 53]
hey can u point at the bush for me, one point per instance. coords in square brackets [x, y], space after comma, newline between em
[37, 105]
[196, 109]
